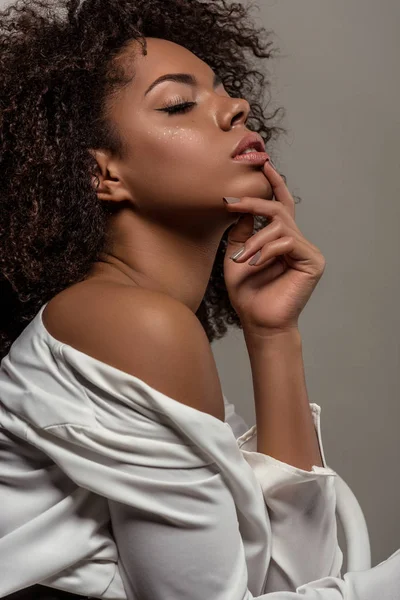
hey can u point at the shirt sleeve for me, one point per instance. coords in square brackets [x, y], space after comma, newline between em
[200, 555]
[234, 420]
[301, 506]
[175, 522]
[302, 510]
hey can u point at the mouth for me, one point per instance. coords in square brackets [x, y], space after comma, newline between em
[254, 158]
[250, 150]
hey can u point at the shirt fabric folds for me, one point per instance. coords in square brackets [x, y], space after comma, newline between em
[111, 489]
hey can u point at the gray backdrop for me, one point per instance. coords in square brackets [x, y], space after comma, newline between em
[338, 78]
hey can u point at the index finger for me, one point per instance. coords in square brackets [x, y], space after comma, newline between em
[279, 187]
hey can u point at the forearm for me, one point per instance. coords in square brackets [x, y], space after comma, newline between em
[285, 429]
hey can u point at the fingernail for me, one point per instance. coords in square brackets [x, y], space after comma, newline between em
[230, 200]
[237, 254]
[272, 164]
[255, 258]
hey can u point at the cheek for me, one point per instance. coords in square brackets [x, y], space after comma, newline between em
[179, 152]
[178, 162]
[184, 156]
[177, 146]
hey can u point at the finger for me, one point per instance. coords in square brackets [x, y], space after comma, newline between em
[282, 246]
[264, 208]
[272, 232]
[280, 189]
[297, 254]
[241, 231]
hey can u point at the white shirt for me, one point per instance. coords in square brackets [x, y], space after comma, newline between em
[111, 489]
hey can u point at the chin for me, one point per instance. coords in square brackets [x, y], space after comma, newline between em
[265, 192]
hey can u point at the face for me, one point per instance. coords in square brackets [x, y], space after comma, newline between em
[179, 162]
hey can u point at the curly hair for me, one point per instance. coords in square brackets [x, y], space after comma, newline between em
[59, 70]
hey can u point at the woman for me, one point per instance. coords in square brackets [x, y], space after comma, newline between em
[129, 155]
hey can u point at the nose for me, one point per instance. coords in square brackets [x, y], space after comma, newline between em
[232, 112]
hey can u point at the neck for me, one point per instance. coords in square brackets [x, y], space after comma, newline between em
[172, 260]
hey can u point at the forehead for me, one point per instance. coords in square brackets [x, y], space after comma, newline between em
[163, 57]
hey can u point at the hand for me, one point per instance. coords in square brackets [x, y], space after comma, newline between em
[270, 296]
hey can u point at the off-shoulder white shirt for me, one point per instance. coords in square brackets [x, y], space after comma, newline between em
[111, 489]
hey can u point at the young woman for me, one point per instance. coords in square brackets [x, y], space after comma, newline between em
[133, 169]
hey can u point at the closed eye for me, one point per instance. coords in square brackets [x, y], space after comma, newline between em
[182, 107]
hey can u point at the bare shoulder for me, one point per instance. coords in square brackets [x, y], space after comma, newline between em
[144, 333]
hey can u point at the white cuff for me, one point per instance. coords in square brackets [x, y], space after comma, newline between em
[248, 445]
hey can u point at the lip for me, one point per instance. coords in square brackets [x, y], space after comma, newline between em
[250, 140]
[254, 158]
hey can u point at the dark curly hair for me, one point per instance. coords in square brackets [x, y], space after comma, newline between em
[58, 73]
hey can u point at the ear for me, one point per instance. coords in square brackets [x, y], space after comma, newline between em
[108, 184]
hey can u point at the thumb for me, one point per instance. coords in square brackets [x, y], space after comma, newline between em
[240, 232]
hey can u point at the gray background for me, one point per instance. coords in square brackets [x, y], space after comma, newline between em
[338, 79]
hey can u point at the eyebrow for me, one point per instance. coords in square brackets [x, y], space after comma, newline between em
[186, 78]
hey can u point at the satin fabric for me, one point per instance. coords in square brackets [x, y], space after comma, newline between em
[111, 489]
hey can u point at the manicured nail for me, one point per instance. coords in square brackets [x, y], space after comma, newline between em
[230, 200]
[237, 254]
[255, 258]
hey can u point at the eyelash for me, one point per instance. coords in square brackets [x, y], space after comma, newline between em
[180, 107]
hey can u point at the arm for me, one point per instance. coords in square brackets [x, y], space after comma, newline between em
[284, 423]
[301, 505]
